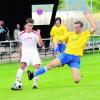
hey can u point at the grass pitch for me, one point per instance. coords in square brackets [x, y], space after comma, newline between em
[56, 84]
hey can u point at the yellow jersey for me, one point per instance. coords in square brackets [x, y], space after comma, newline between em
[58, 32]
[76, 42]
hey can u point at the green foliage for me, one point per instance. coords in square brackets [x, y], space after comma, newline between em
[61, 4]
[96, 5]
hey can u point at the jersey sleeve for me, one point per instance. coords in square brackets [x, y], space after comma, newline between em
[86, 33]
[84, 37]
[52, 31]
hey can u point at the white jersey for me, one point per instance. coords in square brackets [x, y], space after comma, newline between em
[29, 47]
[28, 41]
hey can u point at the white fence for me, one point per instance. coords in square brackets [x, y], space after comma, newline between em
[9, 49]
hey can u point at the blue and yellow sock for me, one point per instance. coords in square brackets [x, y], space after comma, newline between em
[40, 71]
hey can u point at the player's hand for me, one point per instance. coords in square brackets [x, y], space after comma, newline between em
[56, 46]
[91, 21]
[63, 43]
[38, 31]
[87, 15]
[40, 42]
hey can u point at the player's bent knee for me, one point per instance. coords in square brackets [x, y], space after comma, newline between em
[23, 65]
[37, 66]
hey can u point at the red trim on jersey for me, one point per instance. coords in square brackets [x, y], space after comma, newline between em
[25, 31]
[22, 32]
[34, 31]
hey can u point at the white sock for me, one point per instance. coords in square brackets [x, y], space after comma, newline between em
[19, 74]
[36, 79]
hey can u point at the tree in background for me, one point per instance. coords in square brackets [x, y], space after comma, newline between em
[96, 5]
[61, 4]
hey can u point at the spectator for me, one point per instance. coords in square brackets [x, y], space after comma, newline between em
[57, 31]
[16, 32]
[4, 31]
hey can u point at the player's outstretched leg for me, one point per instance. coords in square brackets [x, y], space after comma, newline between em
[56, 62]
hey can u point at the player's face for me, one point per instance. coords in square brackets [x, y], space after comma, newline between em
[18, 26]
[28, 27]
[57, 23]
[77, 28]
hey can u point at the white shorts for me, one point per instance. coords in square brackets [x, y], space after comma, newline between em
[31, 58]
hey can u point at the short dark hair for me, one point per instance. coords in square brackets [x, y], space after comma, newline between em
[29, 20]
[79, 22]
[58, 18]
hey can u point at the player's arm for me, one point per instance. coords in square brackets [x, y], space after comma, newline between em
[20, 52]
[65, 32]
[51, 41]
[39, 39]
[91, 21]
[51, 34]
[51, 38]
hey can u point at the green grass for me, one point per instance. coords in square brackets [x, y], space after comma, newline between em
[56, 84]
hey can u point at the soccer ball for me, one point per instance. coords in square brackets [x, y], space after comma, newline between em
[17, 86]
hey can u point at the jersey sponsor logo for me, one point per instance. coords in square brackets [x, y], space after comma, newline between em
[28, 38]
[74, 38]
[34, 31]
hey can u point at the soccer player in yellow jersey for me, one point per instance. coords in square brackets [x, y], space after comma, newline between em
[76, 42]
[57, 31]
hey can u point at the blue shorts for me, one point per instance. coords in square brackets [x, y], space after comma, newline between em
[72, 60]
[60, 49]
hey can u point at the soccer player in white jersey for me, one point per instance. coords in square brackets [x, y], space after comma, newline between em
[28, 52]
